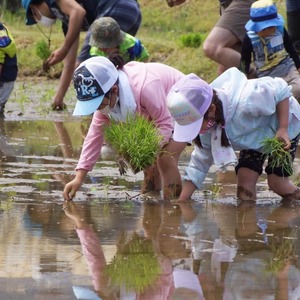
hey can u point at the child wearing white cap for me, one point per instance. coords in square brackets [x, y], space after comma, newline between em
[268, 42]
[235, 114]
[112, 94]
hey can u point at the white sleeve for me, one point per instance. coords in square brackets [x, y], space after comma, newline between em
[201, 161]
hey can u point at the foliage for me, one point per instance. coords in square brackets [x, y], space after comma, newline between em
[135, 140]
[135, 265]
[160, 32]
[42, 50]
[279, 157]
[192, 40]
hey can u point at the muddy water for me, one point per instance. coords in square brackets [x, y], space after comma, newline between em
[110, 243]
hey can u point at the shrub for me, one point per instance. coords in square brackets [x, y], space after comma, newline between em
[191, 40]
[42, 50]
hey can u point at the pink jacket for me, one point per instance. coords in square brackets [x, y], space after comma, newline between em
[150, 84]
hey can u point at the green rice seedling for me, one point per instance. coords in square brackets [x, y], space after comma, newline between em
[136, 142]
[135, 265]
[6, 205]
[280, 158]
[213, 192]
[42, 50]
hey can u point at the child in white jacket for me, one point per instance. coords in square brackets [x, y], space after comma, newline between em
[235, 114]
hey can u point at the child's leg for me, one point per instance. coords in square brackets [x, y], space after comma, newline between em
[248, 170]
[283, 187]
[246, 185]
[293, 79]
[168, 168]
[152, 180]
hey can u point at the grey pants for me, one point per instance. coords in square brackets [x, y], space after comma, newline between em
[5, 91]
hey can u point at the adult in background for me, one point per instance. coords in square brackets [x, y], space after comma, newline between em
[223, 44]
[77, 16]
[292, 16]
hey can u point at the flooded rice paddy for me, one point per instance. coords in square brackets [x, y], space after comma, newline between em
[111, 243]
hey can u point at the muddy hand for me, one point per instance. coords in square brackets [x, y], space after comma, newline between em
[283, 136]
[46, 67]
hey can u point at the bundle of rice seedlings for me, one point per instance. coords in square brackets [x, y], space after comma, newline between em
[280, 157]
[42, 50]
[136, 142]
[135, 265]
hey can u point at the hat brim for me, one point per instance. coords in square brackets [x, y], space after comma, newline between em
[186, 133]
[30, 21]
[84, 108]
[259, 26]
[29, 18]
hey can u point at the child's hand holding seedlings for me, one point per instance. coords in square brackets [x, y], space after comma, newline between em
[283, 136]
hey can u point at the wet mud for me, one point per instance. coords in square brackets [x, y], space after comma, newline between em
[113, 243]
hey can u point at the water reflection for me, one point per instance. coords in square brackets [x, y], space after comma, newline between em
[107, 250]
[214, 248]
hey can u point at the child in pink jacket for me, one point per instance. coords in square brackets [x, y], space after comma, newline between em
[108, 93]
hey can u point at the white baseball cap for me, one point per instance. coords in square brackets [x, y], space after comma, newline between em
[188, 101]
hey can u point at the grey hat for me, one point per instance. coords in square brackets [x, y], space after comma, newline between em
[106, 33]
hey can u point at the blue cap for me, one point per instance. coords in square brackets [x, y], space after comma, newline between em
[29, 16]
[263, 14]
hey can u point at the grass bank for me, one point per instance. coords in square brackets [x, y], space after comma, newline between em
[162, 31]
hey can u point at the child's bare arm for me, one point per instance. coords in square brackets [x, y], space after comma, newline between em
[283, 122]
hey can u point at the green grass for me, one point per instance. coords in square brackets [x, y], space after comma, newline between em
[161, 32]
